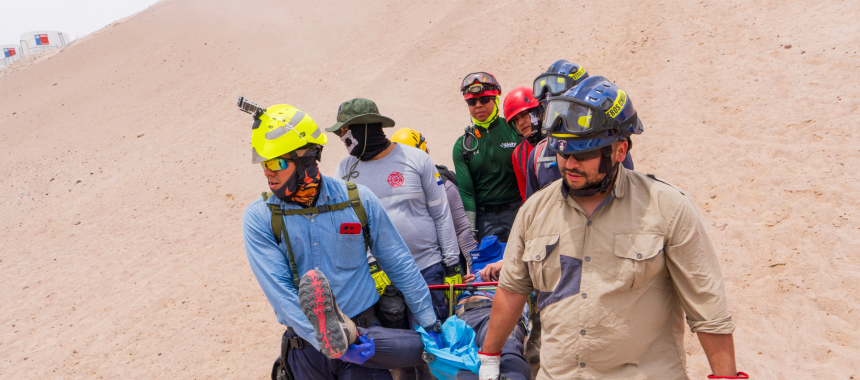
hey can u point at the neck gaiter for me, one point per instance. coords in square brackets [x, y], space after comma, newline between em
[302, 189]
[493, 116]
[365, 141]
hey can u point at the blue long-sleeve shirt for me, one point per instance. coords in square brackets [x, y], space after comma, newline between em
[318, 243]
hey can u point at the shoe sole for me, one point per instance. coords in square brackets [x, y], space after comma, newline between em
[317, 304]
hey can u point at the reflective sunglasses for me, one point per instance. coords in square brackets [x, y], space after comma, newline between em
[474, 101]
[582, 156]
[276, 164]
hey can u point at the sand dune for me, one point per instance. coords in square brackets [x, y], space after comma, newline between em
[125, 166]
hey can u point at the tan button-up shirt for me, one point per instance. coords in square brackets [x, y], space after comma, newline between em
[614, 288]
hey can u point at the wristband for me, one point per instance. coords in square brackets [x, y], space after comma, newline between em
[496, 354]
[740, 375]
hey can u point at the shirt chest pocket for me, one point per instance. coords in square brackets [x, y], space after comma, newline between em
[351, 252]
[639, 259]
[541, 256]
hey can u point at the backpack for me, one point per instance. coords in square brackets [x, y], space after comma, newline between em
[447, 174]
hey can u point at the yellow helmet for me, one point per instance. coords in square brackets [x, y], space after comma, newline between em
[411, 137]
[281, 129]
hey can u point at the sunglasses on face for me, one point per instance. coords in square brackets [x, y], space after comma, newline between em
[276, 164]
[484, 100]
[582, 156]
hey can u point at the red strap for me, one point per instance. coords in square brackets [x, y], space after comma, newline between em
[740, 375]
[486, 354]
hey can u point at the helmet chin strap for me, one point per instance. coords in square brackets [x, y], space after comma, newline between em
[607, 167]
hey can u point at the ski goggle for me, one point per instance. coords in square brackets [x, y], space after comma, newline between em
[480, 78]
[484, 100]
[553, 84]
[568, 117]
[276, 164]
[479, 89]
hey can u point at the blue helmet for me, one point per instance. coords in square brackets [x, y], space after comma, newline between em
[585, 121]
[558, 78]
[590, 116]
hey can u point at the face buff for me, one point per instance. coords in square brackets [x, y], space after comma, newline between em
[365, 141]
[493, 116]
[305, 192]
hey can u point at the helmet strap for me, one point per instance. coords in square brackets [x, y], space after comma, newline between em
[607, 167]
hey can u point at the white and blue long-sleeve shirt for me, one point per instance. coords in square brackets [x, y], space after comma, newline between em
[318, 243]
[412, 192]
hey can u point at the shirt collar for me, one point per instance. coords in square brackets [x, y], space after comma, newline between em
[621, 182]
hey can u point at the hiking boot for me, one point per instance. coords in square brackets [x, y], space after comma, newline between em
[334, 330]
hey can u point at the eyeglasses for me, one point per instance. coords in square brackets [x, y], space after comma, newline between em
[276, 164]
[484, 100]
[582, 156]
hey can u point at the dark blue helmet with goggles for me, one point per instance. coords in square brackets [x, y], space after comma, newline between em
[592, 115]
[558, 78]
[586, 120]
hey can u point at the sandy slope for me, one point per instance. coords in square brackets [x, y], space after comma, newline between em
[122, 256]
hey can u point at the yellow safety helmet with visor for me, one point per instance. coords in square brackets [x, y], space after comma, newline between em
[279, 129]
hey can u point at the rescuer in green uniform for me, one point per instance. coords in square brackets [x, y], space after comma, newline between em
[482, 160]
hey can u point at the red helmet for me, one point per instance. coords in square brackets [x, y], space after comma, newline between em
[476, 85]
[518, 100]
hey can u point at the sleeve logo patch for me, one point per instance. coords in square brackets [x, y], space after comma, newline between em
[438, 179]
[509, 145]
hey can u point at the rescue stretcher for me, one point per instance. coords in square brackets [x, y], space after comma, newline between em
[473, 287]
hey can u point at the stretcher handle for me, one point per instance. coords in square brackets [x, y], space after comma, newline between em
[460, 286]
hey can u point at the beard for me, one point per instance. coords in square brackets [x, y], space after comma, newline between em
[591, 181]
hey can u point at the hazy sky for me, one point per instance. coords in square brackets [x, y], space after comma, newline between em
[75, 17]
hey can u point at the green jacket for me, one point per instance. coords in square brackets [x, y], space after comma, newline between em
[489, 179]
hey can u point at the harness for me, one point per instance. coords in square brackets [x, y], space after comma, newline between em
[470, 134]
[279, 229]
[468, 148]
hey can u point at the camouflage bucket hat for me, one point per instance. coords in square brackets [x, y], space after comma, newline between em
[359, 111]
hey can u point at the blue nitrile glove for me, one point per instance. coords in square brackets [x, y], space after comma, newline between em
[359, 353]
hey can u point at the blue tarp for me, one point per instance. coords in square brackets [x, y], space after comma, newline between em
[459, 351]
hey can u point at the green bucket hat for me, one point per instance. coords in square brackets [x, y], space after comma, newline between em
[359, 111]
